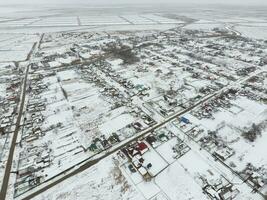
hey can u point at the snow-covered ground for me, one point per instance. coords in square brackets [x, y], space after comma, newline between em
[103, 181]
[257, 32]
[85, 98]
[15, 47]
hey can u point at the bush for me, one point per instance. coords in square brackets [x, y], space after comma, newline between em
[123, 52]
[253, 132]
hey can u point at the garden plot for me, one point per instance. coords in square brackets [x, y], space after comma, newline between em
[135, 177]
[102, 20]
[85, 101]
[57, 21]
[92, 112]
[68, 60]
[148, 189]
[58, 113]
[197, 84]
[235, 109]
[231, 125]
[253, 153]
[157, 162]
[177, 184]
[66, 151]
[169, 180]
[103, 181]
[152, 81]
[197, 176]
[163, 107]
[116, 123]
[198, 168]
[172, 149]
[149, 79]
[157, 78]
[245, 56]
[183, 126]
[59, 144]
[253, 112]
[202, 172]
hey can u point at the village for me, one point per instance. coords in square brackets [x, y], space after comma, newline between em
[178, 102]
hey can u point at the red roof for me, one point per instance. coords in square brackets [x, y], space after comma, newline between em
[141, 146]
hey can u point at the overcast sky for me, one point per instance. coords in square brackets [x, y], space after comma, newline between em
[240, 2]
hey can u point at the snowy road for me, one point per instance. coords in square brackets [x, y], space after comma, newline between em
[17, 128]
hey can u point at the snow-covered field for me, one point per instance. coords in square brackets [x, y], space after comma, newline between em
[89, 20]
[102, 20]
[15, 47]
[162, 99]
[231, 123]
[257, 32]
[103, 181]
[57, 21]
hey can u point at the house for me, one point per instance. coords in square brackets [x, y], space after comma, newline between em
[227, 193]
[92, 147]
[2, 131]
[224, 153]
[162, 137]
[142, 147]
[143, 171]
[138, 126]
[151, 139]
[132, 152]
[185, 120]
[137, 149]
[137, 161]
